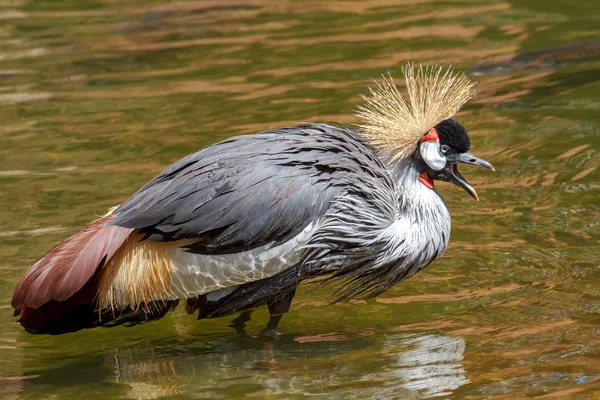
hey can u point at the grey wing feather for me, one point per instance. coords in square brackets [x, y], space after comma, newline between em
[248, 191]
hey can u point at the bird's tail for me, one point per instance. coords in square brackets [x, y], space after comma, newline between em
[59, 292]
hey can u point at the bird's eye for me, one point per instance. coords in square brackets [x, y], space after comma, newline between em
[444, 148]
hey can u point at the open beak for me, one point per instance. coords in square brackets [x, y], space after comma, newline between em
[455, 177]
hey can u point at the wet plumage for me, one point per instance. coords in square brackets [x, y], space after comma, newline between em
[243, 222]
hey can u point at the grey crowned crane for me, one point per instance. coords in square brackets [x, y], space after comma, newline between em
[242, 222]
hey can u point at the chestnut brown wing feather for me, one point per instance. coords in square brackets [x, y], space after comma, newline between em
[65, 269]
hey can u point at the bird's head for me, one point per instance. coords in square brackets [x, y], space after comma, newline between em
[441, 150]
[421, 128]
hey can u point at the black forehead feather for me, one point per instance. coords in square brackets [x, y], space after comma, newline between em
[453, 134]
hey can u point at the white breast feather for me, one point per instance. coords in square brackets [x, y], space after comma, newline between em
[422, 231]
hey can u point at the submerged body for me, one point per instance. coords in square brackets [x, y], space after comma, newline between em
[241, 223]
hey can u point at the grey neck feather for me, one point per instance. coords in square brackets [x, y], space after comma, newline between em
[413, 196]
[424, 209]
[386, 237]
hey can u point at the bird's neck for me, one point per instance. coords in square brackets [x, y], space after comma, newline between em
[414, 194]
[421, 229]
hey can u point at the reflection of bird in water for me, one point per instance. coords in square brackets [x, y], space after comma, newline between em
[241, 223]
[388, 365]
[432, 367]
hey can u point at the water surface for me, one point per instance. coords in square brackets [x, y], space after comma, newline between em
[96, 97]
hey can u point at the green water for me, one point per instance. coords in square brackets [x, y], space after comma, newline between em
[98, 96]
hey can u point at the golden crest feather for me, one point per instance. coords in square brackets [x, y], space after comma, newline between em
[395, 125]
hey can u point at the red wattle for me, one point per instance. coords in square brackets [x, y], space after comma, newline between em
[426, 180]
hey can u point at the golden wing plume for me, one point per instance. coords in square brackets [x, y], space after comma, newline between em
[395, 125]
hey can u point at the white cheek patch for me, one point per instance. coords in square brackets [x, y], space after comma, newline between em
[430, 152]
